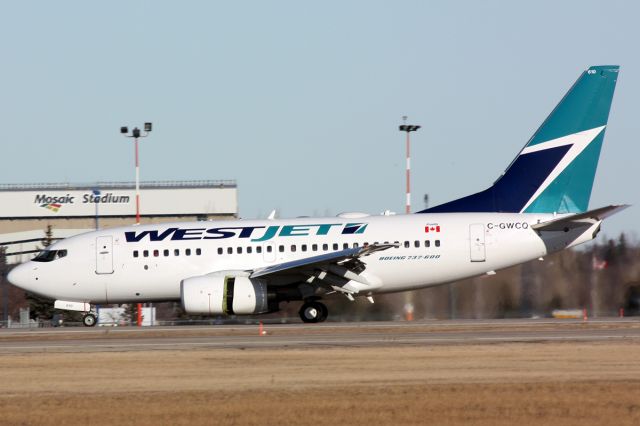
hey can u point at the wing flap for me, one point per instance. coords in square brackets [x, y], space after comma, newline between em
[323, 260]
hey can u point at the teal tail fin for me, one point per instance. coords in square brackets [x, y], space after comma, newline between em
[555, 170]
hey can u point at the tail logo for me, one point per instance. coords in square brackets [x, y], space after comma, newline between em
[576, 143]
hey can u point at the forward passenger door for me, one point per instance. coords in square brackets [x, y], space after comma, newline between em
[104, 255]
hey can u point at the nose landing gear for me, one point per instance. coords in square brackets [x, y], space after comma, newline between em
[89, 320]
[312, 312]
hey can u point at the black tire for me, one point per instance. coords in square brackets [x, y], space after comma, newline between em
[324, 312]
[311, 312]
[89, 320]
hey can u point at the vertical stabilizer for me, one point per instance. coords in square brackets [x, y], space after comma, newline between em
[555, 170]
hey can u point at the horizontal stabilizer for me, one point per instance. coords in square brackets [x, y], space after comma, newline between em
[579, 220]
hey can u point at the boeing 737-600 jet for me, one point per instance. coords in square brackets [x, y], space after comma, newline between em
[538, 206]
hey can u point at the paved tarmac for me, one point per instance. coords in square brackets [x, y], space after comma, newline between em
[365, 334]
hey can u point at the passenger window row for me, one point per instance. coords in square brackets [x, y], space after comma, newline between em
[166, 252]
[316, 247]
[281, 248]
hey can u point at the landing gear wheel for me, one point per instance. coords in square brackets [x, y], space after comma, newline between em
[313, 312]
[89, 320]
[324, 312]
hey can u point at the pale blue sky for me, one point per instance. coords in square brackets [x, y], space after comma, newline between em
[300, 101]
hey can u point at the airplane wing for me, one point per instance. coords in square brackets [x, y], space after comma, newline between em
[579, 220]
[348, 258]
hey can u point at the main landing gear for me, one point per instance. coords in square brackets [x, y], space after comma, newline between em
[314, 311]
[89, 320]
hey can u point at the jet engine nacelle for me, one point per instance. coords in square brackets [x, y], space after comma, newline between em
[221, 293]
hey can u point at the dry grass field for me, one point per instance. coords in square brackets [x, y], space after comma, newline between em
[498, 384]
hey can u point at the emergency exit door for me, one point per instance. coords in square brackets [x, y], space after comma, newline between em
[104, 255]
[476, 241]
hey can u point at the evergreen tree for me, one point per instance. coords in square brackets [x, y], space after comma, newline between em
[41, 307]
[623, 248]
[3, 282]
[130, 314]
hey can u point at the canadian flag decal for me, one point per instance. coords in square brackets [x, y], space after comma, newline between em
[432, 227]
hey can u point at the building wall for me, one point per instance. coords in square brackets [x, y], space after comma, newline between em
[27, 210]
[89, 224]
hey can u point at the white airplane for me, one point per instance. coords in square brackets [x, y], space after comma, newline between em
[537, 207]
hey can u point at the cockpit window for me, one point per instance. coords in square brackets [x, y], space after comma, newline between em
[49, 255]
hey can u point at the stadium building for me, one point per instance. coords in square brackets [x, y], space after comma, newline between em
[26, 211]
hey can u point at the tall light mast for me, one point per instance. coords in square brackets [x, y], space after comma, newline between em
[408, 128]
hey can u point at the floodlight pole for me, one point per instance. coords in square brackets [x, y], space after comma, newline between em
[408, 128]
[137, 182]
[96, 193]
[135, 134]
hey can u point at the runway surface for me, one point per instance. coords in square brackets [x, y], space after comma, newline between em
[369, 334]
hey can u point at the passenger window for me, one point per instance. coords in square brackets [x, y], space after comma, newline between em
[229, 250]
[259, 249]
[280, 249]
[366, 244]
[355, 245]
[220, 251]
[135, 253]
[345, 246]
[416, 243]
[427, 243]
[187, 252]
[335, 246]
[239, 250]
[437, 243]
[156, 253]
[249, 250]
[176, 252]
[198, 252]
[145, 253]
[293, 247]
[166, 252]
[314, 247]
[325, 247]
[406, 244]
[304, 247]
[269, 249]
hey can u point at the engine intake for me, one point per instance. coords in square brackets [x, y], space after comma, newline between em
[216, 294]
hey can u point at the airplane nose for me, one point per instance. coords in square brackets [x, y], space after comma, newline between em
[14, 275]
[18, 276]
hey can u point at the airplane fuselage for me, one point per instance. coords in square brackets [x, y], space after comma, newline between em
[148, 263]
